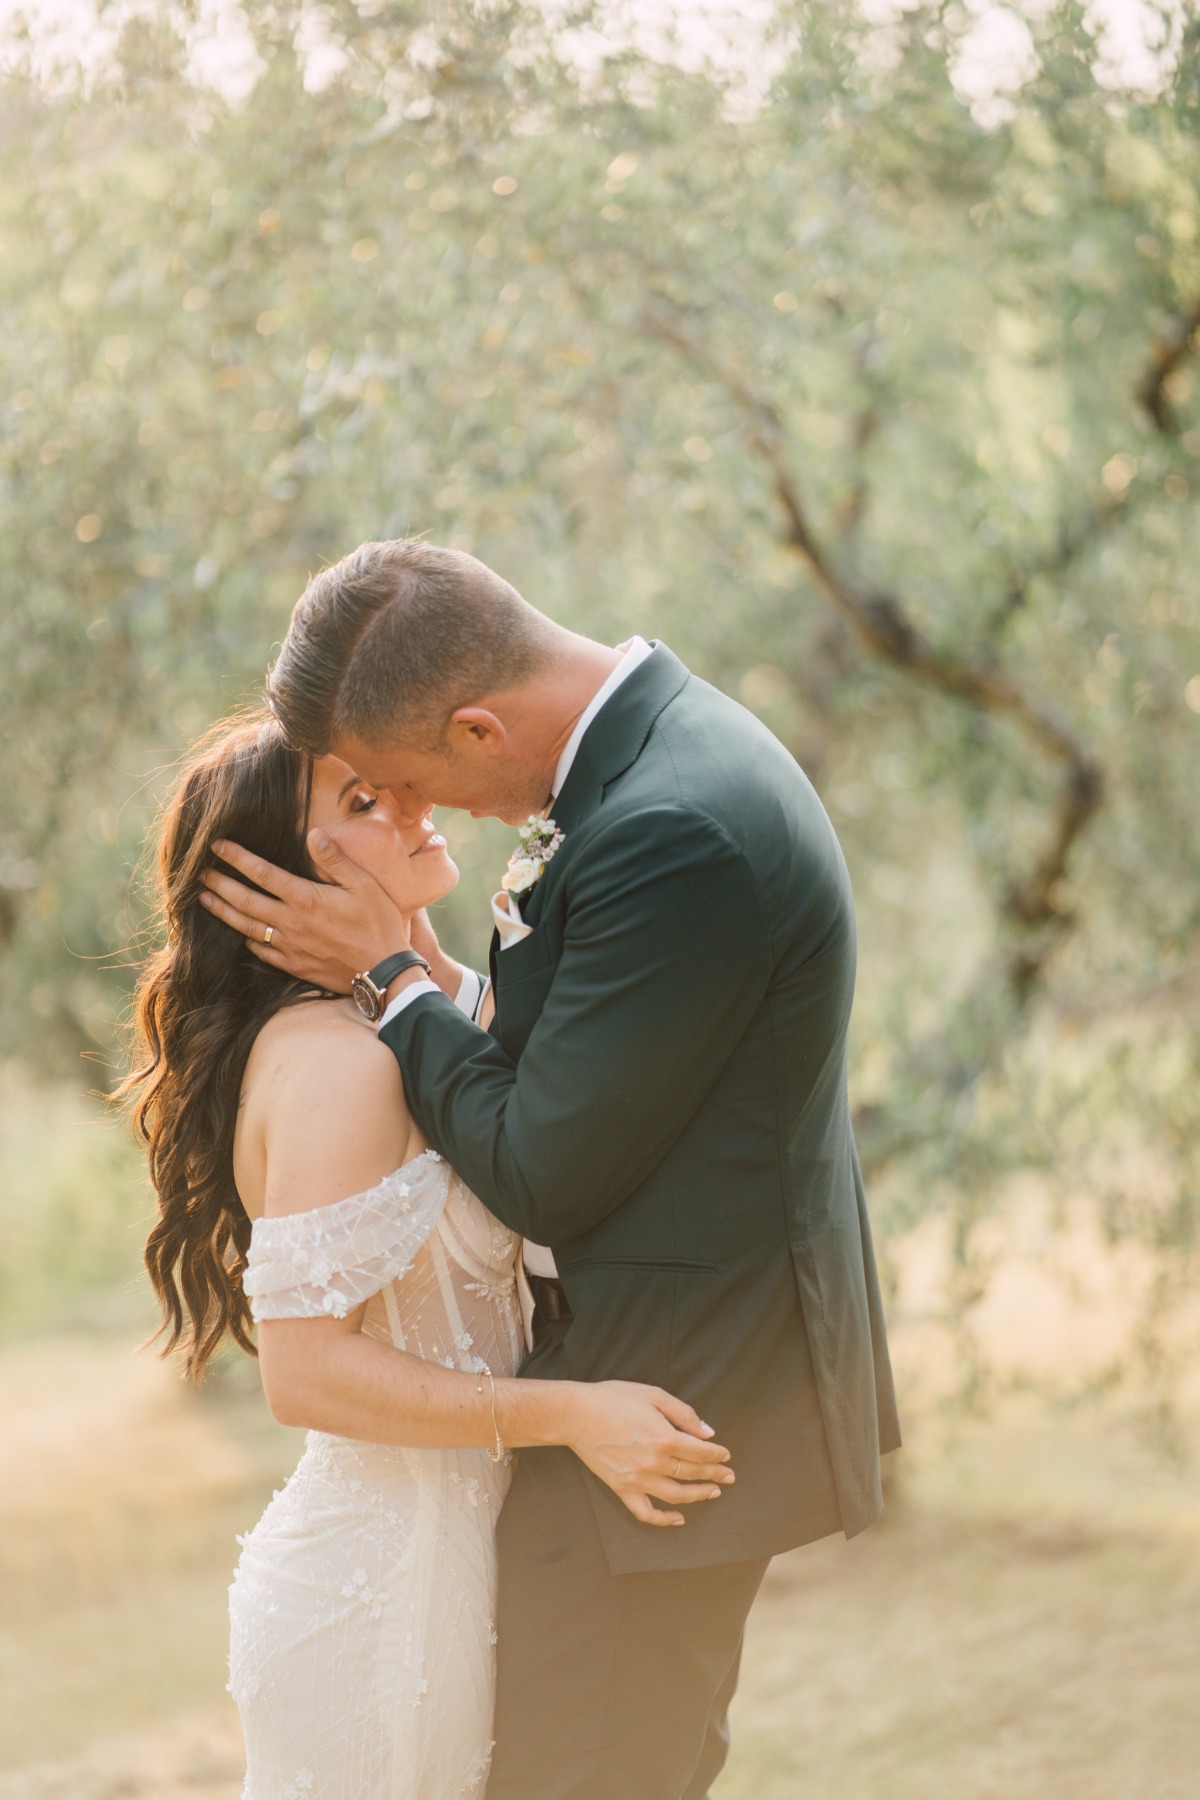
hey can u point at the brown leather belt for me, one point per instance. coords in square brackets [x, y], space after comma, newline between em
[549, 1298]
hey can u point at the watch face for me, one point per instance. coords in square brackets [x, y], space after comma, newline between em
[367, 998]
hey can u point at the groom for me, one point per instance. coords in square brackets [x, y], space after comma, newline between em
[659, 1108]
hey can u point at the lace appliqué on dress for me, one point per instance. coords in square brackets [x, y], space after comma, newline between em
[362, 1648]
[336, 1257]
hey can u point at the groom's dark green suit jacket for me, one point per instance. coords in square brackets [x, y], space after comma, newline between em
[663, 1101]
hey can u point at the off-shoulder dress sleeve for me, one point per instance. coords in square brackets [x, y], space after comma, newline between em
[328, 1261]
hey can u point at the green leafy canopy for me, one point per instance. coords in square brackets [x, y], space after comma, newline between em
[880, 410]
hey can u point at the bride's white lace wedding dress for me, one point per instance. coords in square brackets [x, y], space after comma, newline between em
[361, 1653]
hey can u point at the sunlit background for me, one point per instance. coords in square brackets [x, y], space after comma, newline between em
[850, 349]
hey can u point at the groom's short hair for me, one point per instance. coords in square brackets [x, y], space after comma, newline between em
[386, 644]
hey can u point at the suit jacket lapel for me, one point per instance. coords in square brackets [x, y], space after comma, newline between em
[493, 953]
[617, 735]
[612, 743]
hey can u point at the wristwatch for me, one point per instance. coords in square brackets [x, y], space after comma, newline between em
[369, 991]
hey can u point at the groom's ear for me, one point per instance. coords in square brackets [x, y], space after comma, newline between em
[477, 731]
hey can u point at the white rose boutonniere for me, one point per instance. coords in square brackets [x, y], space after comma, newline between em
[540, 838]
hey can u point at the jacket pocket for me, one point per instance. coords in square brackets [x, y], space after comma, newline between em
[527, 957]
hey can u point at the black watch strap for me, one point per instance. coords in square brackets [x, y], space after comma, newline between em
[391, 966]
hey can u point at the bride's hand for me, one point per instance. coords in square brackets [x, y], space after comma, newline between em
[646, 1445]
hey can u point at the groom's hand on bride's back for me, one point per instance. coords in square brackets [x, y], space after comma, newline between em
[321, 931]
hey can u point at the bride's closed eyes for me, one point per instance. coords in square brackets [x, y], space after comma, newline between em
[400, 850]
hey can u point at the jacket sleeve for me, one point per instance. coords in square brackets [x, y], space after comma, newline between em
[665, 960]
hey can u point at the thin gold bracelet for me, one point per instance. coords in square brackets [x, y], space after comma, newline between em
[498, 1453]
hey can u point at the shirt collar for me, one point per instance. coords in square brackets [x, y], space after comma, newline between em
[636, 654]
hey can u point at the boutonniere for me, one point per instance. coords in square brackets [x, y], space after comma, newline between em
[540, 838]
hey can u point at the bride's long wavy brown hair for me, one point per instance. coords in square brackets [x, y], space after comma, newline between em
[201, 1000]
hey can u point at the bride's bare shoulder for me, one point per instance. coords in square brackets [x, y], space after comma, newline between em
[329, 1036]
[322, 1107]
[320, 1054]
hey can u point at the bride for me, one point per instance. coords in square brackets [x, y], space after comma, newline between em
[296, 1194]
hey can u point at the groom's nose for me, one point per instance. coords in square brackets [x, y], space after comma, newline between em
[410, 805]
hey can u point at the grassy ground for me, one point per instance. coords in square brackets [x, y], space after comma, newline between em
[1024, 1622]
[978, 1646]
[74, 1206]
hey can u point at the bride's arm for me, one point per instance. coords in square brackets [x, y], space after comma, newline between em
[325, 1100]
[449, 975]
[325, 1375]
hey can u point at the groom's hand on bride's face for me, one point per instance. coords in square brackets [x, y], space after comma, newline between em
[324, 932]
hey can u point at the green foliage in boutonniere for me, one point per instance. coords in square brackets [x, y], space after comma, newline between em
[540, 838]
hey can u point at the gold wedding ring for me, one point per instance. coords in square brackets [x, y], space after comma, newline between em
[675, 1476]
[268, 934]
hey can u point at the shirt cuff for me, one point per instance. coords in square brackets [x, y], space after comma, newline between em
[405, 998]
[469, 994]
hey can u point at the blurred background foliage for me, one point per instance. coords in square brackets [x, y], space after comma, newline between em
[872, 396]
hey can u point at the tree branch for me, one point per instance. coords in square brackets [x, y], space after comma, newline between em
[1163, 998]
[884, 629]
[851, 513]
[1168, 351]
[1073, 537]
[865, 430]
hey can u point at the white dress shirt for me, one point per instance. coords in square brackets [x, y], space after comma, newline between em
[467, 999]
[506, 915]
